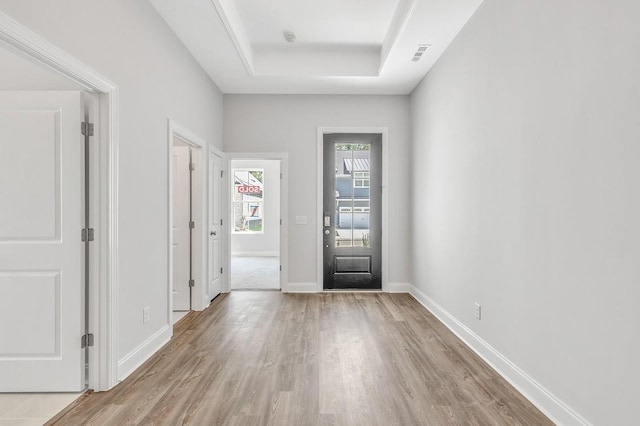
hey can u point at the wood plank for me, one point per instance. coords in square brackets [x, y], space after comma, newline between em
[310, 359]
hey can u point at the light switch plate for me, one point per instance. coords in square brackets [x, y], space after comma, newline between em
[301, 220]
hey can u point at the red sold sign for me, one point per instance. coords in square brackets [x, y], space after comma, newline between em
[248, 189]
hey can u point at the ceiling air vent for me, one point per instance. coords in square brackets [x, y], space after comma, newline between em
[421, 49]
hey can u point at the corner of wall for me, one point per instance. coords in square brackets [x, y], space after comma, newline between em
[546, 402]
[398, 288]
[134, 359]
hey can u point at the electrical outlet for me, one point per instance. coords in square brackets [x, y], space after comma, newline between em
[145, 314]
[301, 220]
[477, 311]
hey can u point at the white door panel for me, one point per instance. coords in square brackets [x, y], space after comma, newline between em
[41, 256]
[181, 242]
[215, 229]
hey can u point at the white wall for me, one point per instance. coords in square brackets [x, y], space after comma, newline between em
[526, 150]
[130, 44]
[267, 243]
[288, 123]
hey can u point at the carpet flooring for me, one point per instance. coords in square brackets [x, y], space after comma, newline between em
[255, 273]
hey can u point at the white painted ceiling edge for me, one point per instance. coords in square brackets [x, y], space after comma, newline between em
[214, 33]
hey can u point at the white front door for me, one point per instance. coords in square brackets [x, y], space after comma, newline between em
[215, 226]
[181, 229]
[41, 256]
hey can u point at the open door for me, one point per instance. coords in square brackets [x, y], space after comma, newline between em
[41, 249]
[215, 225]
[182, 229]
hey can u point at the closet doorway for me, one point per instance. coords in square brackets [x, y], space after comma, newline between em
[186, 241]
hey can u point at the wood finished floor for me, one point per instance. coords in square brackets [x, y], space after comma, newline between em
[258, 358]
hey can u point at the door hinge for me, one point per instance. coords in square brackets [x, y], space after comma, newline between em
[87, 234]
[220, 222]
[86, 128]
[280, 221]
[192, 166]
[221, 173]
[220, 269]
[280, 268]
[280, 175]
[86, 340]
[192, 283]
[192, 224]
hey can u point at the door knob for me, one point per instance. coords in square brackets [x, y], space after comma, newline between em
[213, 233]
[327, 232]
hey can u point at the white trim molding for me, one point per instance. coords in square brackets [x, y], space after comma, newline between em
[398, 288]
[549, 404]
[134, 359]
[103, 365]
[301, 288]
[384, 131]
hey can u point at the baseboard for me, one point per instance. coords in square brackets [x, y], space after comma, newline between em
[549, 404]
[301, 288]
[397, 288]
[134, 359]
[255, 253]
[314, 288]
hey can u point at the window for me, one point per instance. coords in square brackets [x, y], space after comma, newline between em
[361, 179]
[351, 205]
[248, 201]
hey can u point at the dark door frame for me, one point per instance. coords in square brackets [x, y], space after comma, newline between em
[384, 131]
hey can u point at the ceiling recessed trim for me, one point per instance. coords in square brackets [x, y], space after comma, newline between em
[259, 61]
[232, 22]
[240, 44]
[401, 17]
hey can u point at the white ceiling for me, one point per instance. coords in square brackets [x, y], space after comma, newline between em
[21, 73]
[315, 22]
[342, 46]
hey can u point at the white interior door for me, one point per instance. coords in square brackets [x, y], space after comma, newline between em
[215, 227]
[181, 231]
[41, 256]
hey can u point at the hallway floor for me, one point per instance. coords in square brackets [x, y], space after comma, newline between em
[255, 273]
[255, 358]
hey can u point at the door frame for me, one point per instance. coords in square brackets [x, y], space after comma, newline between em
[384, 131]
[284, 209]
[200, 216]
[103, 303]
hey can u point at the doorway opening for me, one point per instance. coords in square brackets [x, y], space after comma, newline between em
[187, 224]
[255, 224]
[183, 224]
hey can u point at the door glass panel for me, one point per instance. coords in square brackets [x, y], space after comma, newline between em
[352, 183]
